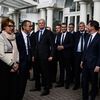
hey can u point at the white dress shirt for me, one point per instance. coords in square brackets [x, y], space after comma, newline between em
[25, 40]
[93, 35]
[79, 44]
[40, 33]
[62, 37]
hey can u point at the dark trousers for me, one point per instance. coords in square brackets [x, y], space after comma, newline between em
[8, 86]
[72, 69]
[42, 74]
[89, 76]
[23, 75]
[53, 70]
[77, 69]
[64, 71]
[22, 81]
[8, 82]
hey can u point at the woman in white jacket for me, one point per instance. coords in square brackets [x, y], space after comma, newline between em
[9, 58]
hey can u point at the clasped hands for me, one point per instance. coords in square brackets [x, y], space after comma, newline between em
[14, 67]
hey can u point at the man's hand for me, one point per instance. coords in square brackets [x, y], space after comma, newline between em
[50, 58]
[81, 64]
[97, 69]
[33, 59]
[60, 47]
[15, 67]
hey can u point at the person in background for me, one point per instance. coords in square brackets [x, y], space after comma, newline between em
[9, 61]
[71, 30]
[52, 65]
[25, 56]
[55, 60]
[90, 62]
[32, 37]
[43, 56]
[48, 28]
[64, 48]
[79, 41]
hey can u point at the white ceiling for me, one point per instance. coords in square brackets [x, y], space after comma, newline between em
[18, 4]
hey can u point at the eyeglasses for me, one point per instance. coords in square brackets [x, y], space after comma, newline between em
[11, 26]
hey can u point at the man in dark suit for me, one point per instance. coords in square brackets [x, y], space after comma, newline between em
[64, 48]
[55, 60]
[25, 56]
[43, 56]
[79, 41]
[91, 61]
[71, 30]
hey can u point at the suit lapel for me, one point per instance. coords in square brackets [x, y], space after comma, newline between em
[66, 36]
[43, 35]
[37, 35]
[22, 41]
[78, 37]
[93, 41]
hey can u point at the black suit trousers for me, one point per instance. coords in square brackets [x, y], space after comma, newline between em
[65, 71]
[89, 75]
[77, 69]
[42, 72]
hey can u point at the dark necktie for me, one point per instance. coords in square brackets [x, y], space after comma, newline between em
[40, 36]
[89, 41]
[82, 40]
[28, 45]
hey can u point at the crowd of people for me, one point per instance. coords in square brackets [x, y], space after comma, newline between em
[77, 54]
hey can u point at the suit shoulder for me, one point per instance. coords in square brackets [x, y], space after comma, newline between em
[17, 33]
[71, 35]
[98, 35]
[48, 31]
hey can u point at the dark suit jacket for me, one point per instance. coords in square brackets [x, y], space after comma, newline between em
[44, 48]
[33, 43]
[91, 55]
[68, 46]
[77, 38]
[23, 58]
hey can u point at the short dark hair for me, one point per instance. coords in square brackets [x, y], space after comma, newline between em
[95, 24]
[24, 23]
[63, 24]
[71, 24]
[58, 25]
[5, 22]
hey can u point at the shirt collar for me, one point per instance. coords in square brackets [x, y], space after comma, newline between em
[42, 30]
[24, 34]
[82, 32]
[63, 32]
[93, 34]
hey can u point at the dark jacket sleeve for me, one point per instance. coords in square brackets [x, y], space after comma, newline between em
[70, 43]
[33, 42]
[52, 44]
